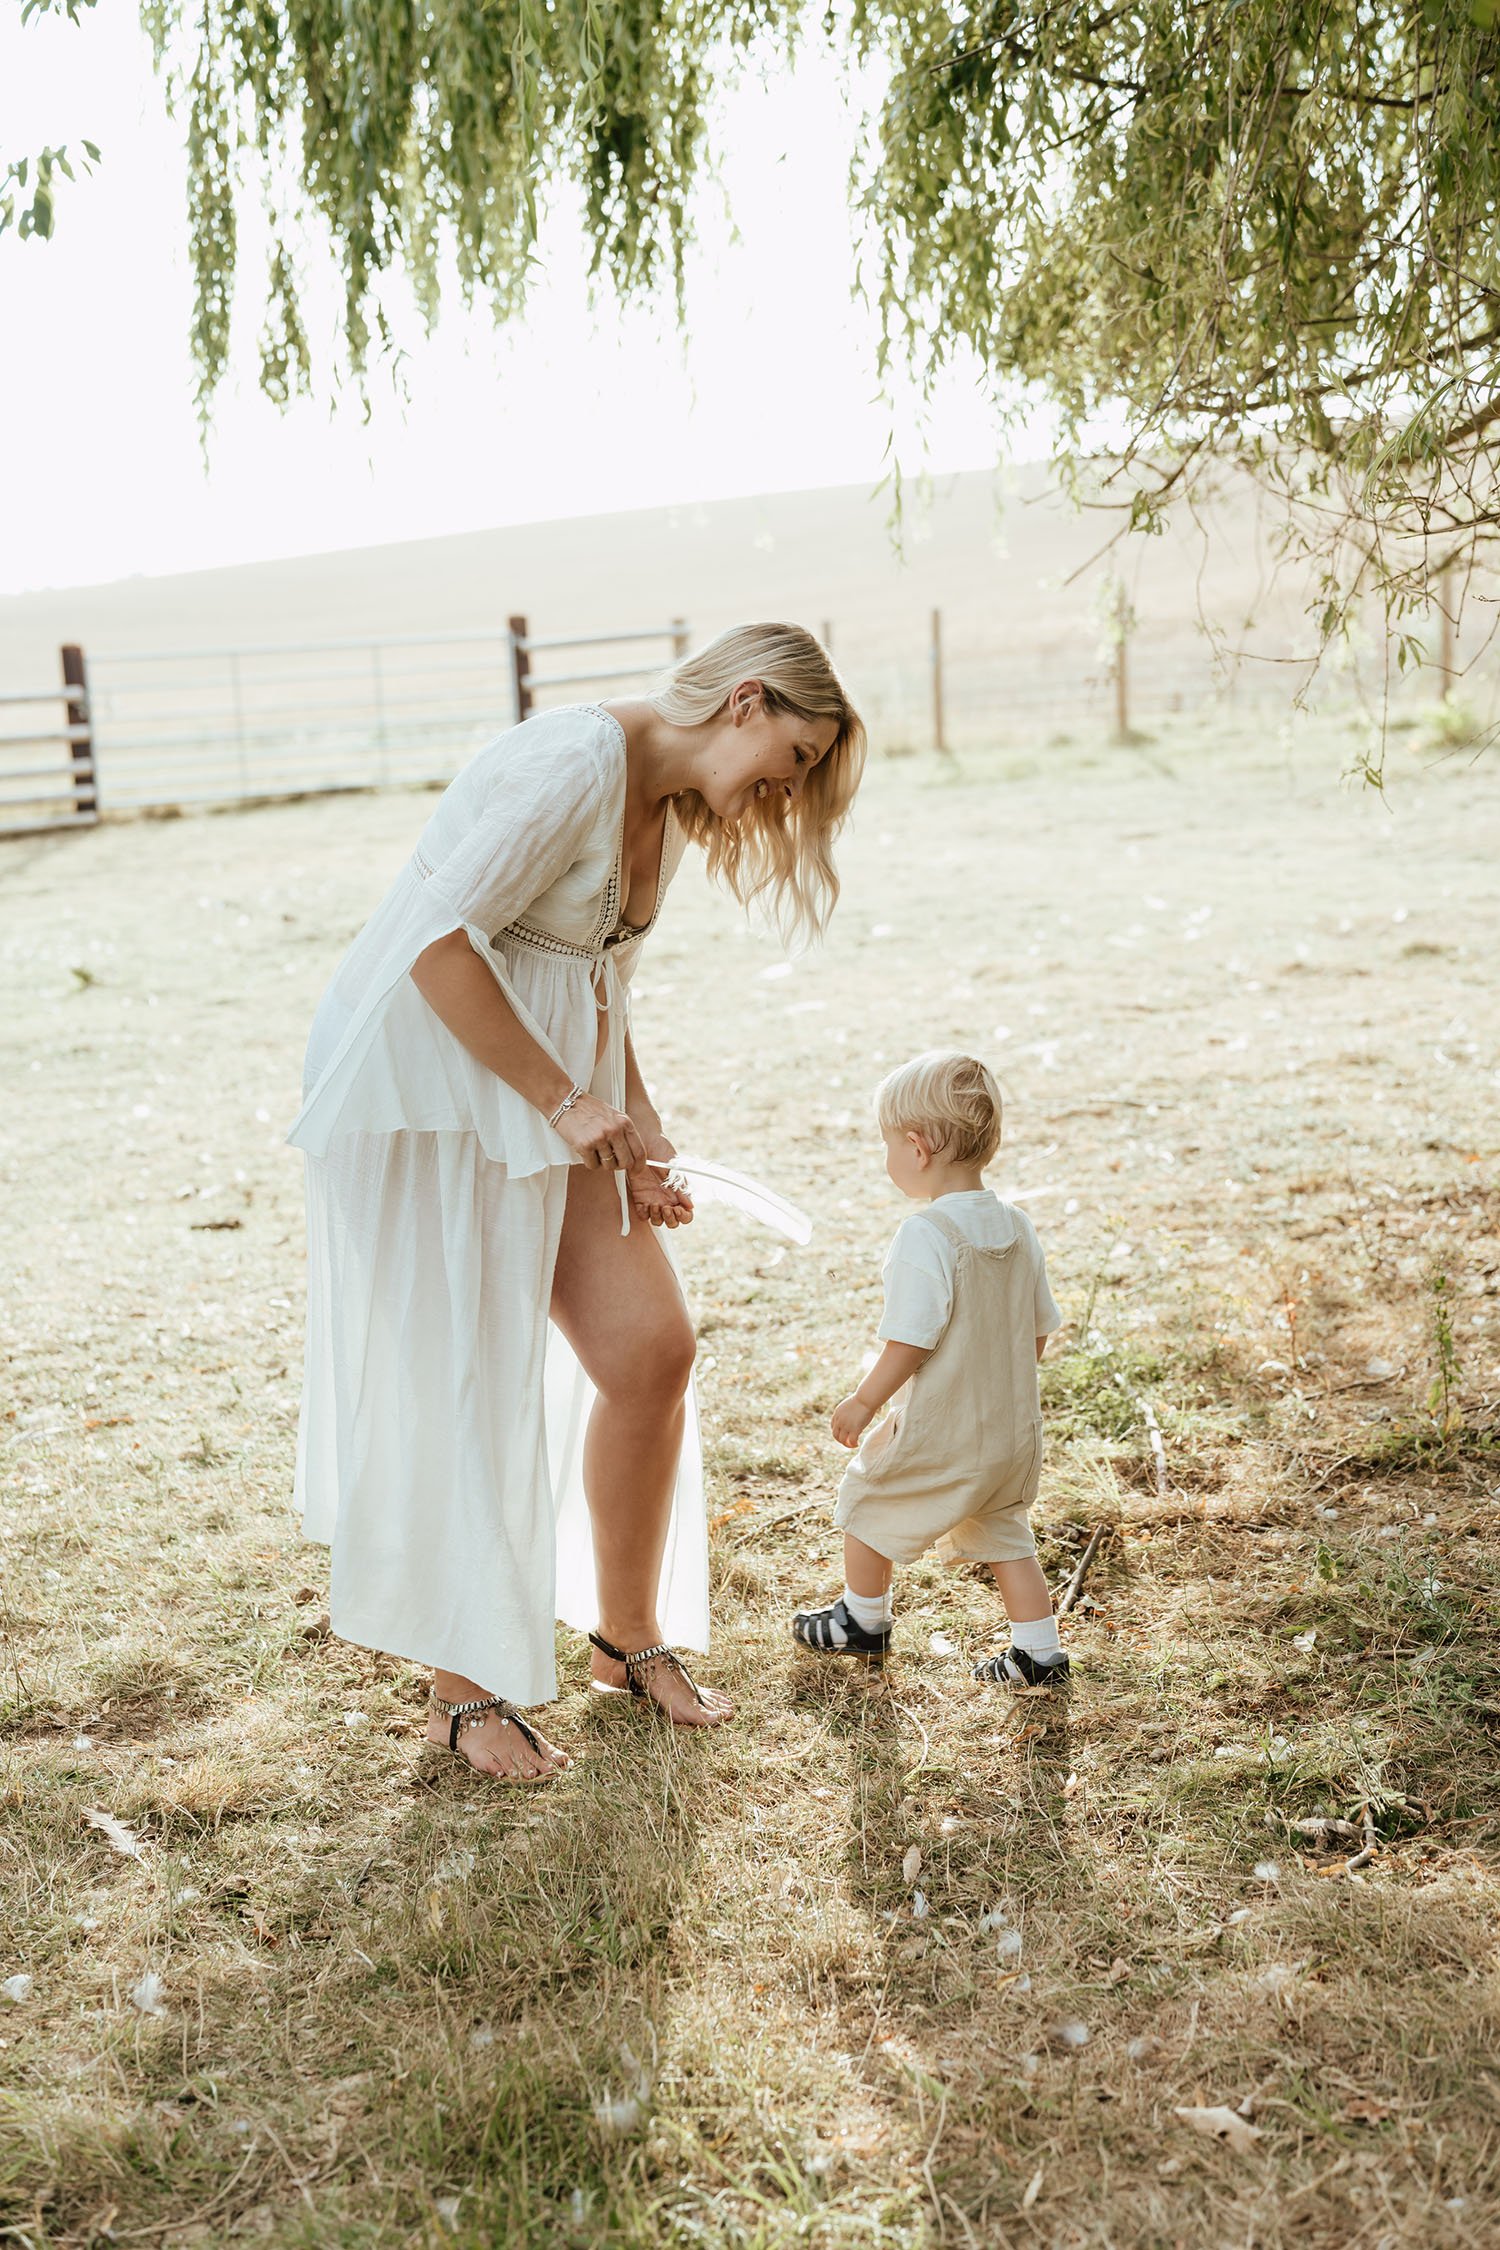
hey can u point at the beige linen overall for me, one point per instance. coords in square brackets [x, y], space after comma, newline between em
[956, 1461]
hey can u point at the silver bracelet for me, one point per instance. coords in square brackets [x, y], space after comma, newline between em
[575, 1094]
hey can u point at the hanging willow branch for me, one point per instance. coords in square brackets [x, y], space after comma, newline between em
[1265, 232]
[415, 128]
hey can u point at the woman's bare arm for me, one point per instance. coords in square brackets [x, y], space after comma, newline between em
[650, 1194]
[460, 991]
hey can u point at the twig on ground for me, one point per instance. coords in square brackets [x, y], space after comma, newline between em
[1074, 1587]
[1363, 1857]
[1366, 1853]
[1344, 1461]
[907, 1712]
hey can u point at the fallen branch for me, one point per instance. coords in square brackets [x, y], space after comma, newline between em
[1319, 1831]
[1074, 1587]
[1363, 1857]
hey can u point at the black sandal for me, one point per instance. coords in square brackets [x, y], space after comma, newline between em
[821, 1630]
[1018, 1668]
[635, 1664]
[462, 1715]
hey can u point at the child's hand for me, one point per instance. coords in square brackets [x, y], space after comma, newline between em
[851, 1418]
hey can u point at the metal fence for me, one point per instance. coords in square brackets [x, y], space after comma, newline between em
[223, 725]
[226, 725]
[47, 763]
[523, 646]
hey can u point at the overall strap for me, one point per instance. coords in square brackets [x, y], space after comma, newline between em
[960, 1241]
[947, 1229]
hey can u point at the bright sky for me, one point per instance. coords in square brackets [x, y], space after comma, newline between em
[568, 414]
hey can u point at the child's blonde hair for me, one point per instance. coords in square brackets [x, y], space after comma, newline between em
[950, 1099]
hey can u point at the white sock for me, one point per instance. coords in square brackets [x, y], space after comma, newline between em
[873, 1612]
[1037, 1635]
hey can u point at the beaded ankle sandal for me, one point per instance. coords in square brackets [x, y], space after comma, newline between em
[461, 1716]
[636, 1664]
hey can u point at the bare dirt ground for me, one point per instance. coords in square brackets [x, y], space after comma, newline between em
[893, 1960]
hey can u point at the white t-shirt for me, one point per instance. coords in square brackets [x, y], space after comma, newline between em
[920, 1265]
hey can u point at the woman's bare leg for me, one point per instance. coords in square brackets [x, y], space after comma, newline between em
[616, 1299]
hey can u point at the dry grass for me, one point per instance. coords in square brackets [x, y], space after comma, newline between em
[397, 2007]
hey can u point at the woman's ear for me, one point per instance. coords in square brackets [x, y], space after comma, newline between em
[745, 699]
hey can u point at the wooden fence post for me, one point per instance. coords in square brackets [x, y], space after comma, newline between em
[939, 731]
[679, 639]
[825, 635]
[520, 668]
[75, 674]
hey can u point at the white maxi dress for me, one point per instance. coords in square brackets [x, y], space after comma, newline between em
[440, 1445]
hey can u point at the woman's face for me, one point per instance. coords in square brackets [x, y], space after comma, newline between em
[758, 754]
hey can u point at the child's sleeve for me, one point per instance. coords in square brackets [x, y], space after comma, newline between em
[918, 1288]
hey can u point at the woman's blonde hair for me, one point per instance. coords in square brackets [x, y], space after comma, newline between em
[949, 1098]
[788, 853]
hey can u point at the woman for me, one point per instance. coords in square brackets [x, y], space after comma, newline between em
[479, 1139]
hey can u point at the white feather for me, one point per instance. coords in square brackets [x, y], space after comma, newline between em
[716, 1183]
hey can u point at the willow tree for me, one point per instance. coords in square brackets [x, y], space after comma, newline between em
[1265, 231]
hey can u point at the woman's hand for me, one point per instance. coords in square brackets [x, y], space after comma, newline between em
[851, 1419]
[652, 1196]
[601, 1136]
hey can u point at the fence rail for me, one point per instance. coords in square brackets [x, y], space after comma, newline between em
[524, 645]
[59, 792]
[224, 724]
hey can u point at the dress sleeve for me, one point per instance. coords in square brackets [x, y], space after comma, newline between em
[541, 807]
[523, 814]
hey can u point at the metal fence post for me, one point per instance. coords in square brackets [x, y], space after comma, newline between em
[237, 704]
[75, 674]
[1122, 622]
[382, 740]
[679, 639]
[520, 668]
[1446, 663]
[939, 731]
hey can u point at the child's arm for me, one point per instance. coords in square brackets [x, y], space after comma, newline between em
[896, 1365]
[1041, 1346]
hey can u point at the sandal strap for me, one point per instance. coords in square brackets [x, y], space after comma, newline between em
[524, 1729]
[636, 1669]
[636, 1660]
[461, 1715]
